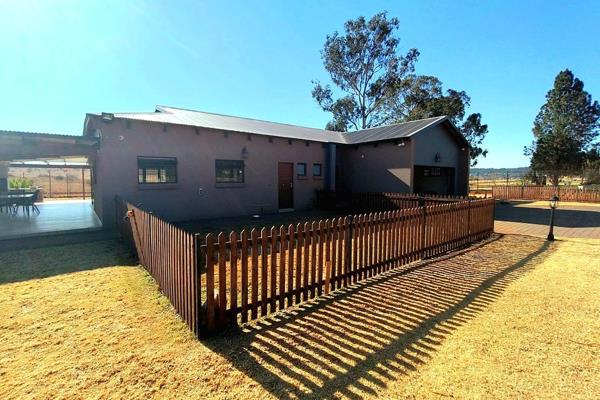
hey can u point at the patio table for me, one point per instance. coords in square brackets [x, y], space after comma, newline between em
[9, 201]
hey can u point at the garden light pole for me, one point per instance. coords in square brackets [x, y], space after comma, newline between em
[553, 205]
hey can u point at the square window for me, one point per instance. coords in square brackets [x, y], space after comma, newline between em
[229, 171]
[301, 169]
[157, 170]
[317, 170]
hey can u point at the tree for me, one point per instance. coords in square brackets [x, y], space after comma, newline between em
[425, 98]
[380, 87]
[365, 65]
[565, 128]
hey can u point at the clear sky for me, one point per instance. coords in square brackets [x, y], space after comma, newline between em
[61, 59]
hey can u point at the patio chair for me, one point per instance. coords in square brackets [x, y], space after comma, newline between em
[28, 203]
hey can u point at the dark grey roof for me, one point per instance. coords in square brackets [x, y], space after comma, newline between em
[179, 116]
[389, 132]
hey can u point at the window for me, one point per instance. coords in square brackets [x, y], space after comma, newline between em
[157, 170]
[317, 170]
[229, 171]
[301, 169]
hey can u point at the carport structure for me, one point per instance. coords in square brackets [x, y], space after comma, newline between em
[57, 217]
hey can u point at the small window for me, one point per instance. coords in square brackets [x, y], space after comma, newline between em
[229, 171]
[301, 169]
[317, 170]
[157, 170]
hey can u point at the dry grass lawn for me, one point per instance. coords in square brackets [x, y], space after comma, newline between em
[517, 317]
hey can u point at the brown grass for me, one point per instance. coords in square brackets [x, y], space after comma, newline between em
[517, 317]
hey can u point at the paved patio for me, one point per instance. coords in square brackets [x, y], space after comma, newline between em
[572, 220]
[54, 217]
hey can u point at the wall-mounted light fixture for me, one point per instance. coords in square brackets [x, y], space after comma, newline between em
[244, 152]
[438, 157]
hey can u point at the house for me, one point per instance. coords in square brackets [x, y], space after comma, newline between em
[185, 164]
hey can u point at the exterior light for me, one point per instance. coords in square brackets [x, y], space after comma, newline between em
[553, 204]
[438, 157]
[244, 152]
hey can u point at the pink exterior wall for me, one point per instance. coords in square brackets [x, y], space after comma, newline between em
[438, 139]
[196, 195]
[386, 167]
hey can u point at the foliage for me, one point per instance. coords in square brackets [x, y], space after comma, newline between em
[591, 167]
[364, 64]
[565, 128]
[425, 98]
[20, 183]
[380, 87]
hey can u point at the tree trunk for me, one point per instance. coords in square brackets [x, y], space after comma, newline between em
[554, 179]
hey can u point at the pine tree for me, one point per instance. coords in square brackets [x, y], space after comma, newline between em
[565, 128]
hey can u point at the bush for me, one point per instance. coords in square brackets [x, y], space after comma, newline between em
[20, 183]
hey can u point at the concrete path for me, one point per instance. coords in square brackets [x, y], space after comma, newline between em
[572, 220]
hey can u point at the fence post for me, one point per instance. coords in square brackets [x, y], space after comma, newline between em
[348, 249]
[469, 219]
[197, 286]
[424, 209]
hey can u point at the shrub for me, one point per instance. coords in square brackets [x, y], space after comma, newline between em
[20, 183]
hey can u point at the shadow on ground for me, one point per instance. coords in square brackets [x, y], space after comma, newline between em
[572, 217]
[23, 265]
[355, 341]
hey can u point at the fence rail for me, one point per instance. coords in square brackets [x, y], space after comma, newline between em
[225, 279]
[565, 193]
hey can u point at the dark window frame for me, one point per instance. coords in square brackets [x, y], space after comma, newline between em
[167, 166]
[320, 174]
[232, 166]
[305, 169]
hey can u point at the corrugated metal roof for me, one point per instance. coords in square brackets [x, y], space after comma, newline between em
[389, 132]
[172, 115]
[18, 135]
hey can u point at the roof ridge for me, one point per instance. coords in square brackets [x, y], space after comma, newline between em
[440, 117]
[248, 118]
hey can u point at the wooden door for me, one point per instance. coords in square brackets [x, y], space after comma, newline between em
[286, 185]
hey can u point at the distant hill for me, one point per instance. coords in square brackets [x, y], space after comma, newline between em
[497, 172]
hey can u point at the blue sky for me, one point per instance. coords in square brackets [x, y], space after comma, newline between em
[61, 59]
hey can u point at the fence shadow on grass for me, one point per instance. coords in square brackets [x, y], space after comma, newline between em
[354, 341]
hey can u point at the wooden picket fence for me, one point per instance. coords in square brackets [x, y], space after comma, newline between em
[565, 193]
[252, 274]
[230, 278]
[169, 254]
[378, 201]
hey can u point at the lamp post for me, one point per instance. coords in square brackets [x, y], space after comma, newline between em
[553, 205]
